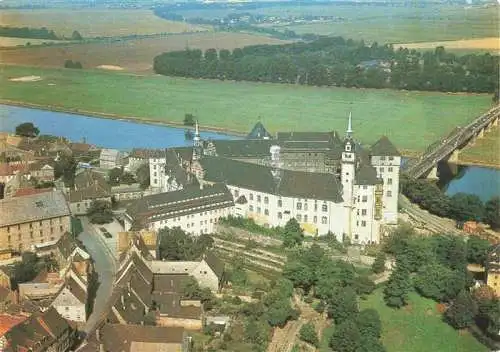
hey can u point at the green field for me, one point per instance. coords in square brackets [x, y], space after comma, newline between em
[406, 25]
[419, 328]
[411, 119]
[398, 24]
[485, 151]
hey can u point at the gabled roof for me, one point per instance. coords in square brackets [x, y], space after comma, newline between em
[384, 147]
[66, 245]
[214, 263]
[367, 175]
[33, 208]
[244, 148]
[117, 337]
[172, 204]
[260, 178]
[259, 132]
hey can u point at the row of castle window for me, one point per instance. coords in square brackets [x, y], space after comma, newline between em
[390, 158]
[324, 207]
[389, 169]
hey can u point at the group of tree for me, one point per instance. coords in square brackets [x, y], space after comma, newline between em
[72, 64]
[142, 175]
[25, 32]
[65, 168]
[27, 129]
[100, 212]
[119, 176]
[337, 285]
[273, 310]
[460, 207]
[335, 61]
[175, 244]
[436, 268]
[30, 266]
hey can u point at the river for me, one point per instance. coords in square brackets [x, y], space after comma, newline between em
[125, 135]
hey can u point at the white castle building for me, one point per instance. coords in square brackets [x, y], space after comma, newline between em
[327, 183]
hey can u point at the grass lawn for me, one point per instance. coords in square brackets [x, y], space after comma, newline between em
[94, 22]
[419, 328]
[484, 150]
[412, 120]
[325, 339]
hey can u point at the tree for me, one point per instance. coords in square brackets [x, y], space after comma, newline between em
[399, 285]
[465, 207]
[65, 168]
[76, 36]
[368, 343]
[477, 250]
[492, 213]
[114, 176]
[462, 311]
[343, 305]
[438, 282]
[293, 235]
[73, 64]
[26, 270]
[346, 337]
[100, 212]
[189, 120]
[368, 322]
[378, 265]
[143, 175]
[27, 129]
[364, 286]
[175, 244]
[308, 334]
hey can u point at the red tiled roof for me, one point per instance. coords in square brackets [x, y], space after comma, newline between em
[7, 169]
[8, 321]
[30, 191]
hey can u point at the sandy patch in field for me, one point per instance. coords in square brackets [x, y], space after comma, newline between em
[26, 79]
[111, 67]
[491, 43]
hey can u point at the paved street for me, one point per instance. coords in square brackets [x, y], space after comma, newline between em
[105, 266]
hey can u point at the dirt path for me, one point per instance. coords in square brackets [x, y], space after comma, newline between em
[284, 339]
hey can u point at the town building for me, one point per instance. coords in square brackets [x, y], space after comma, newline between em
[127, 192]
[193, 209]
[328, 183]
[33, 220]
[46, 331]
[110, 158]
[134, 338]
[89, 186]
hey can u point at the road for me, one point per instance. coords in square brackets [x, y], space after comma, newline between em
[104, 265]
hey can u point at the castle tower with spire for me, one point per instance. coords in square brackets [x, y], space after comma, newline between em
[197, 143]
[348, 165]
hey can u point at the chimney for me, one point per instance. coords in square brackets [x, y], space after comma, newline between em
[201, 185]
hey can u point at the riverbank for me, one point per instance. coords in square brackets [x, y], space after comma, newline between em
[133, 119]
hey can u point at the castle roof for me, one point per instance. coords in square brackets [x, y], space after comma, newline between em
[384, 147]
[259, 132]
[260, 178]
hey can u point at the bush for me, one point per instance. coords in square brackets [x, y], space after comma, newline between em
[308, 334]
[100, 212]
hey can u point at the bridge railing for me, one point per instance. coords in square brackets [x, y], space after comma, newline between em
[445, 146]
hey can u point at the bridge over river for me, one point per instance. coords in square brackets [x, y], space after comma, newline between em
[448, 148]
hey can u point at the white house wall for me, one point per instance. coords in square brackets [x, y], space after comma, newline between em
[265, 209]
[388, 169]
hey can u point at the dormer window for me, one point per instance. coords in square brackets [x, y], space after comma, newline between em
[348, 147]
